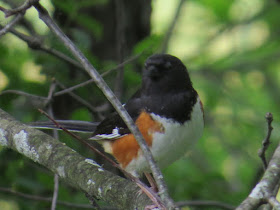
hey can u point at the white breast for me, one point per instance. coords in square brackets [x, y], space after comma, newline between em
[174, 143]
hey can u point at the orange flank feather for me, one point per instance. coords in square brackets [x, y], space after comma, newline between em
[126, 148]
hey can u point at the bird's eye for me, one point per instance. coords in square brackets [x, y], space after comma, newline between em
[167, 65]
[145, 65]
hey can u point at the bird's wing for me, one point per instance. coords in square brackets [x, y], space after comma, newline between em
[113, 126]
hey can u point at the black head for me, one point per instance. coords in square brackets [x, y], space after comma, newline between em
[165, 73]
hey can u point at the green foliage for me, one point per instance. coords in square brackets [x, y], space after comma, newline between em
[219, 8]
[148, 45]
[231, 49]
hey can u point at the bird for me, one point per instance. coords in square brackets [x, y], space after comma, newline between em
[167, 110]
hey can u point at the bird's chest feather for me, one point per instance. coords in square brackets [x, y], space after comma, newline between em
[172, 141]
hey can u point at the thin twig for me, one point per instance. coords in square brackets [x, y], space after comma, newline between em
[55, 192]
[48, 104]
[35, 43]
[129, 60]
[55, 135]
[81, 140]
[62, 56]
[26, 5]
[69, 90]
[266, 142]
[265, 189]
[41, 198]
[18, 92]
[44, 16]
[172, 26]
[20, 11]
[46, 100]
[76, 97]
[204, 203]
[50, 98]
[8, 27]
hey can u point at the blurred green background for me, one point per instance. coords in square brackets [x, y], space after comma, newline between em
[231, 49]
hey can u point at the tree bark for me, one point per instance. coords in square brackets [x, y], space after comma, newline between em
[82, 173]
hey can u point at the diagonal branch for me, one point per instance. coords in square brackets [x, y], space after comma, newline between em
[44, 16]
[35, 43]
[22, 93]
[121, 65]
[76, 97]
[26, 5]
[20, 11]
[8, 27]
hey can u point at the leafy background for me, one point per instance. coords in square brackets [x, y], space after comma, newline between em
[231, 49]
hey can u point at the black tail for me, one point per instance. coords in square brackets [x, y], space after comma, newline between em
[71, 125]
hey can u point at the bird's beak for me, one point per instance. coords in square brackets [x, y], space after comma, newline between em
[153, 72]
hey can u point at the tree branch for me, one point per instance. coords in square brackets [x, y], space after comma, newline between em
[265, 190]
[266, 142]
[76, 97]
[44, 16]
[21, 9]
[8, 27]
[55, 136]
[121, 65]
[274, 202]
[83, 174]
[36, 43]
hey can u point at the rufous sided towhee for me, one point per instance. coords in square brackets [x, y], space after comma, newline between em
[167, 111]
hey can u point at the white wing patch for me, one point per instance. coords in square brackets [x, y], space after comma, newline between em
[115, 134]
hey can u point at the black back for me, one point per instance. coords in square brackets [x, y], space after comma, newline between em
[166, 91]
